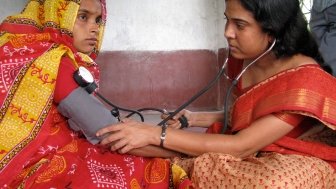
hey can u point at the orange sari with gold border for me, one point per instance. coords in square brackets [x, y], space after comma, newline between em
[312, 94]
[291, 162]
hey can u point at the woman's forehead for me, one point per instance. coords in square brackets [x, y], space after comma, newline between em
[235, 10]
[91, 3]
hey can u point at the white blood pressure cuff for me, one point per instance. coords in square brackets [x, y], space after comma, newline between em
[85, 113]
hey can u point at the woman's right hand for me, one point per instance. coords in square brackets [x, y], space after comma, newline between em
[175, 122]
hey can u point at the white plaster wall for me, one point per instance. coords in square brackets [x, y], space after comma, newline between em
[9, 7]
[155, 24]
[164, 25]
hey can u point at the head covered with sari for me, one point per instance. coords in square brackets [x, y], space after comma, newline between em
[54, 18]
[32, 46]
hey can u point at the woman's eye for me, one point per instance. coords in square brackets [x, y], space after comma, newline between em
[82, 17]
[99, 20]
[240, 26]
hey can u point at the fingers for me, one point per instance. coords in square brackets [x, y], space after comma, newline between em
[175, 125]
[180, 120]
[119, 144]
[115, 127]
[126, 148]
[109, 129]
[125, 144]
[125, 136]
[111, 138]
[172, 123]
[178, 115]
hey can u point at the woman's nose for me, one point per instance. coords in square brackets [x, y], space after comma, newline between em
[94, 27]
[229, 32]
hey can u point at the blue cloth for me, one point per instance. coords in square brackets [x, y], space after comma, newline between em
[321, 5]
[323, 28]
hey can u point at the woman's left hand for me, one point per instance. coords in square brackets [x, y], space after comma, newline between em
[128, 135]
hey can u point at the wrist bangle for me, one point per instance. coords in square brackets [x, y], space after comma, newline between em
[163, 135]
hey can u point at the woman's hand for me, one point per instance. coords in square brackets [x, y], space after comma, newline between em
[175, 122]
[129, 134]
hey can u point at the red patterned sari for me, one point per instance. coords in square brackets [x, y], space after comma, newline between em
[304, 97]
[37, 148]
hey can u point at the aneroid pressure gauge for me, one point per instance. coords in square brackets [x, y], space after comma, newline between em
[84, 78]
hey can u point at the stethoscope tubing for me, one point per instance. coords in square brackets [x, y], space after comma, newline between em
[235, 82]
[193, 98]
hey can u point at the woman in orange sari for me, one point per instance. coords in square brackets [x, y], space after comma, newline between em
[40, 49]
[282, 120]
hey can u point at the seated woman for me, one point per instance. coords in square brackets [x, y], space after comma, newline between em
[281, 124]
[40, 49]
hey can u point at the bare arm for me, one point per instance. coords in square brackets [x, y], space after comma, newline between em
[197, 119]
[261, 133]
[154, 151]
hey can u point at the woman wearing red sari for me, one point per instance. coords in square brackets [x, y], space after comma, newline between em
[282, 121]
[40, 49]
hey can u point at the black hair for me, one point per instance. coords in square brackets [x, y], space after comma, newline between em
[284, 20]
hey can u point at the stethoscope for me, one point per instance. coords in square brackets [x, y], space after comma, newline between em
[85, 79]
[235, 82]
[210, 84]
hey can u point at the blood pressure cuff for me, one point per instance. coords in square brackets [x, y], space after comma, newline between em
[85, 113]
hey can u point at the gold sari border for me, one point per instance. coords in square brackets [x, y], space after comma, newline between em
[307, 95]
